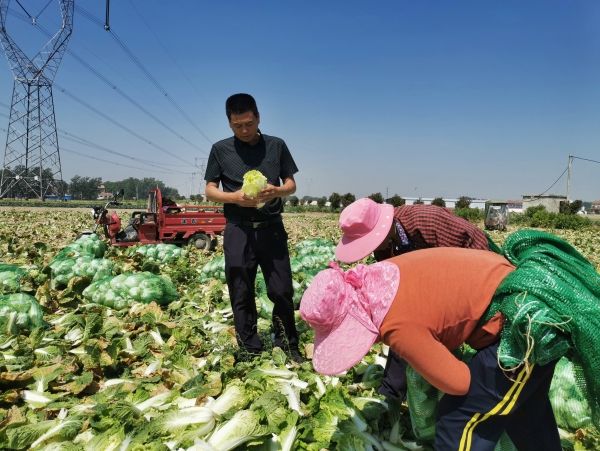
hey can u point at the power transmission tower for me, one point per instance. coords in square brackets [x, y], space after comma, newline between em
[31, 157]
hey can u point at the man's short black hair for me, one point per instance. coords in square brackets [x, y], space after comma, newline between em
[240, 104]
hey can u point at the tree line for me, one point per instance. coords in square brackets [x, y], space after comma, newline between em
[133, 188]
[337, 201]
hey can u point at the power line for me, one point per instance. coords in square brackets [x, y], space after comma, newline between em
[144, 70]
[165, 49]
[537, 196]
[96, 146]
[121, 126]
[585, 159]
[119, 91]
[560, 176]
[79, 140]
[110, 161]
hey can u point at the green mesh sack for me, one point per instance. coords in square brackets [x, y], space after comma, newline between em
[551, 304]
[19, 311]
[65, 269]
[422, 399]
[214, 269]
[10, 278]
[84, 245]
[159, 253]
[570, 407]
[312, 256]
[121, 291]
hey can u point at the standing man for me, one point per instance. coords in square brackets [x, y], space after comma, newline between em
[254, 236]
[385, 231]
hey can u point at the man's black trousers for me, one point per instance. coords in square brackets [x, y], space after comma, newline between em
[246, 249]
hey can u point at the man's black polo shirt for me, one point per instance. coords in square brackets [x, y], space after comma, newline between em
[231, 158]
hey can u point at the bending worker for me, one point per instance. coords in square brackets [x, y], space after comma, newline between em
[520, 315]
[385, 231]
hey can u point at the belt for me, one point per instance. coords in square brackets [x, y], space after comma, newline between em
[255, 225]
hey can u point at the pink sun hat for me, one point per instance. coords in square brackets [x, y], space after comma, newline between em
[346, 309]
[365, 224]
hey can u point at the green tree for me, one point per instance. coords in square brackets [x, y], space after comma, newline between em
[376, 197]
[335, 200]
[570, 208]
[85, 187]
[293, 201]
[396, 200]
[347, 199]
[135, 188]
[463, 202]
[440, 202]
[419, 201]
[321, 201]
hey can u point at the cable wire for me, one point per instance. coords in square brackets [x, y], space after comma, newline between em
[79, 140]
[119, 91]
[120, 164]
[165, 49]
[144, 70]
[537, 196]
[585, 159]
[121, 126]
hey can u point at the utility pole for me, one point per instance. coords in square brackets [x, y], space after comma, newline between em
[31, 156]
[569, 167]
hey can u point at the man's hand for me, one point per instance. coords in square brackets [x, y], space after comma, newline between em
[239, 198]
[268, 193]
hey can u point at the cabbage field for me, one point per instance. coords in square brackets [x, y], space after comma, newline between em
[106, 348]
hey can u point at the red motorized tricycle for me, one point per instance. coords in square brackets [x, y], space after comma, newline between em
[163, 222]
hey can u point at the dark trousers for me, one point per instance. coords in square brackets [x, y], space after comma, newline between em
[393, 384]
[497, 403]
[245, 250]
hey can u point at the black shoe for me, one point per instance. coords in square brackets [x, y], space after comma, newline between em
[295, 356]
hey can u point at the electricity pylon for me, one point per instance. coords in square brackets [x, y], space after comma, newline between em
[31, 157]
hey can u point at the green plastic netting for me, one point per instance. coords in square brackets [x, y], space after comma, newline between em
[551, 303]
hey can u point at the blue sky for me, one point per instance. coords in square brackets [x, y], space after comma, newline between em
[422, 99]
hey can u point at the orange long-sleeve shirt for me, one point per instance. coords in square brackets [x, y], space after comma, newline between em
[442, 295]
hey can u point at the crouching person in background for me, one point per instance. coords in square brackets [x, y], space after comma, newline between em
[520, 313]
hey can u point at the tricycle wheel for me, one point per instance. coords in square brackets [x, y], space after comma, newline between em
[201, 241]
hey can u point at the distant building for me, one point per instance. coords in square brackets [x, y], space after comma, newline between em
[595, 208]
[550, 201]
[450, 202]
[103, 194]
[515, 206]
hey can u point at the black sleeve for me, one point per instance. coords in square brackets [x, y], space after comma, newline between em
[213, 168]
[288, 166]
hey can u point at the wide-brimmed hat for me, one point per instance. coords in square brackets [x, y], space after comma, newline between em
[365, 224]
[346, 309]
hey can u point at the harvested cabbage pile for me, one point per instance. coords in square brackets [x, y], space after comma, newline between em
[214, 269]
[121, 291]
[312, 256]
[159, 253]
[19, 311]
[63, 270]
[84, 245]
[10, 278]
